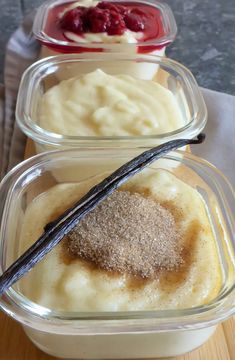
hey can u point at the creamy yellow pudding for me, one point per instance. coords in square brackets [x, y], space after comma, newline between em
[184, 271]
[98, 104]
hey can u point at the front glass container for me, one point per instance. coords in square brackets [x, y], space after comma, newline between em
[71, 334]
[44, 74]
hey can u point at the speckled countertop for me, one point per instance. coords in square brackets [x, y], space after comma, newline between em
[205, 42]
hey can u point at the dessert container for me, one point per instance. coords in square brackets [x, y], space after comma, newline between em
[53, 43]
[46, 73]
[116, 335]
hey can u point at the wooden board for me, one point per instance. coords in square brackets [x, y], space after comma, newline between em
[14, 344]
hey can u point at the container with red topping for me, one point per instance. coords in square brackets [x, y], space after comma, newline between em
[104, 26]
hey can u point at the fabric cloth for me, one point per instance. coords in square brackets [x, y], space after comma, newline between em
[22, 50]
[219, 147]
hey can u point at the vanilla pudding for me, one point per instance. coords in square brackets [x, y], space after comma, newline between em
[184, 273]
[66, 281]
[180, 105]
[99, 104]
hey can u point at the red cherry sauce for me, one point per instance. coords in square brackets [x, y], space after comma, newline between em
[110, 17]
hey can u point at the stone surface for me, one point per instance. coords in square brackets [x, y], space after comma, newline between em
[205, 42]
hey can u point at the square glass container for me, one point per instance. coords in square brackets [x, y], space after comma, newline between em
[46, 73]
[116, 335]
[47, 31]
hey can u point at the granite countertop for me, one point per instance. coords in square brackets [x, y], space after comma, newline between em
[205, 42]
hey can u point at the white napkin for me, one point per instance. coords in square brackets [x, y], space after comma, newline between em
[22, 50]
[219, 146]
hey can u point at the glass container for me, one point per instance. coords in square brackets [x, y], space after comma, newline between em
[114, 334]
[46, 73]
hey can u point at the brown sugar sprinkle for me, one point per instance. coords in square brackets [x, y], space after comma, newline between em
[128, 233]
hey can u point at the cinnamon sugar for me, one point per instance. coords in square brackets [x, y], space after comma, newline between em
[128, 233]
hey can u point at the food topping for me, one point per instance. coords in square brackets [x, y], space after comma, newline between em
[107, 17]
[128, 233]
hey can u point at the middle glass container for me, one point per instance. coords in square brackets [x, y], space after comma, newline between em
[49, 72]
